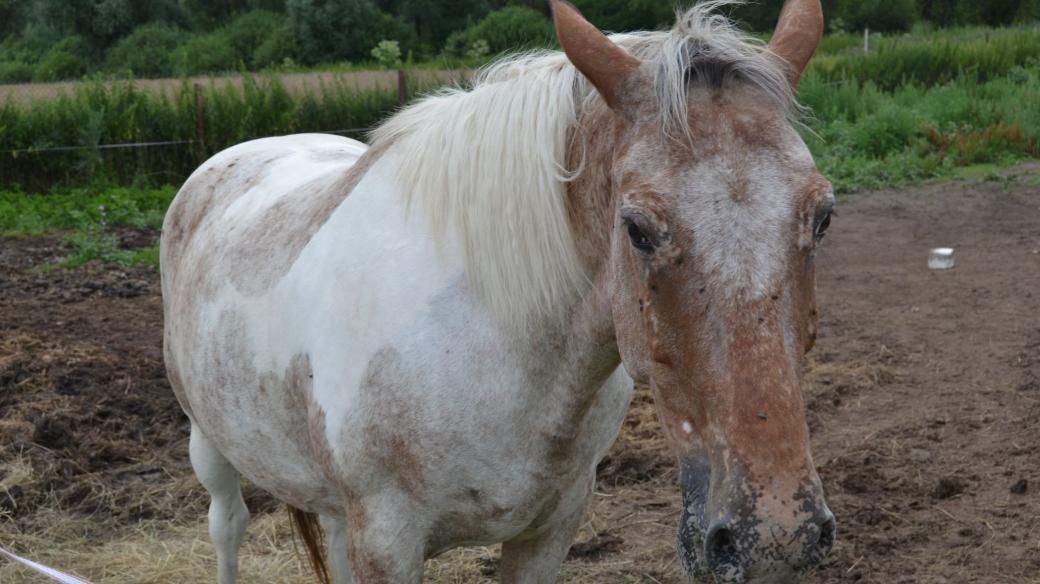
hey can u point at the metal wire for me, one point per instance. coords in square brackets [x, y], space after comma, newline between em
[145, 144]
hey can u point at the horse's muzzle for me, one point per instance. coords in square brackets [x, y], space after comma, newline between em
[727, 536]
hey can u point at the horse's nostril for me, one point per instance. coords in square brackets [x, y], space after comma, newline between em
[824, 542]
[720, 549]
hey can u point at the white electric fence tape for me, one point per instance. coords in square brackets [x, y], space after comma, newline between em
[56, 575]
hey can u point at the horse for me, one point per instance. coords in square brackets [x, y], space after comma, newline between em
[431, 341]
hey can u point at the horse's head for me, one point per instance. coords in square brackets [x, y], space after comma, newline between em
[717, 211]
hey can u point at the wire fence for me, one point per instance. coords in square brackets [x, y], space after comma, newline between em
[26, 94]
[158, 131]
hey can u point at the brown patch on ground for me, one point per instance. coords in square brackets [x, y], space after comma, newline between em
[923, 400]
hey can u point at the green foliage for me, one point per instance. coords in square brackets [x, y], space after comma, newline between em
[23, 214]
[211, 14]
[936, 58]
[102, 246]
[12, 16]
[277, 49]
[435, 20]
[147, 52]
[91, 213]
[881, 15]
[916, 106]
[62, 61]
[326, 31]
[208, 53]
[117, 112]
[628, 15]
[58, 65]
[16, 72]
[864, 137]
[509, 29]
[100, 23]
[387, 54]
[248, 32]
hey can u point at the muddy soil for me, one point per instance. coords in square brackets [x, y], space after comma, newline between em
[923, 396]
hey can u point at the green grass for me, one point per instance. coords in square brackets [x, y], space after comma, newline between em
[117, 113]
[930, 58]
[27, 214]
[104, 247]
[865, 137]
[90, 214]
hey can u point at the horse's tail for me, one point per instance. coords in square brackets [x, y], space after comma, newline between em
[306, 526]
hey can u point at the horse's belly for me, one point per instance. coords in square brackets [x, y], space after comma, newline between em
[261, 420]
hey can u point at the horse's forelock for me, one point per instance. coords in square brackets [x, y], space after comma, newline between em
[490, 162]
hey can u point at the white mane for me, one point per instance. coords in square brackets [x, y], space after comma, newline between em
[489, 162]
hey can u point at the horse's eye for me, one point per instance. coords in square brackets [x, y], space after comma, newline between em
[640, 241]
[822, 223]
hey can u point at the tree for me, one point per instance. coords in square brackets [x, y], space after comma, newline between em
[99, 23]
[146, 52]
[627, 15]
[880, 15]
[434, 20]
[12, 17]
[334, 30]
[210, 14]
[509, 29]
[248, 31]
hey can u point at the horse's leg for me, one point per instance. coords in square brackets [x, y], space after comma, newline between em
[386, 538]
[227, 511]
[336, 538]
[538, 560]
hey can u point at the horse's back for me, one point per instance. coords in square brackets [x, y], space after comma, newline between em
[272, 182]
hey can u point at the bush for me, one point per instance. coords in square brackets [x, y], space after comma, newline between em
[63, 60]
[936, 58]
[15, 72]
[509, 29]
[278, 47]
[880, 15]
[326, 31]
[109, 113]
[387, 54]
[629, 15]
[248, 32]
[209, 53]
[59, 65]
[146, 52]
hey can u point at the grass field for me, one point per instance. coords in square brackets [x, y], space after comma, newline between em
[26, 94]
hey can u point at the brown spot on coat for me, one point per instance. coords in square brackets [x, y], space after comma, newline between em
[389, 440]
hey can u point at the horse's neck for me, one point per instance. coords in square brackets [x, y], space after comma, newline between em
[589, 352]
[590, 195]
[582, 353]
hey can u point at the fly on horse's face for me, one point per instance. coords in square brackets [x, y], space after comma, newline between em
[713, 292]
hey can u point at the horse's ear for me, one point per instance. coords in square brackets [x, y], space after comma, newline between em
[605, 64]
[797, 35]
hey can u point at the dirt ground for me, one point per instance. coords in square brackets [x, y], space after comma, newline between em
[923, 397]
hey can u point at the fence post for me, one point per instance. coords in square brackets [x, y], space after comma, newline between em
[200, 124]
[866, 40]
[402, 88]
